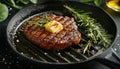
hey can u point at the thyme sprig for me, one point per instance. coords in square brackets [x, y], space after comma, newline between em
[92, 30]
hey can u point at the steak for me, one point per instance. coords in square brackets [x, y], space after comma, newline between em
[67, 37]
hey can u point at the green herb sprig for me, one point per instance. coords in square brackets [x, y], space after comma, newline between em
[92, 30]
[45, 19]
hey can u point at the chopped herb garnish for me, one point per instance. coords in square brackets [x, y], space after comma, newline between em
[40, 22]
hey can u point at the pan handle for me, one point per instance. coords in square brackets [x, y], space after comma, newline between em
[111, 59]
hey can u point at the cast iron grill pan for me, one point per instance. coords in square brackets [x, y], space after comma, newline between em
[72, 54]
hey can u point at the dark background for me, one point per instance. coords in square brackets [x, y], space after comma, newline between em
[10, 60]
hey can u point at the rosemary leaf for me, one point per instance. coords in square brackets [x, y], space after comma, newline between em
[88, 45]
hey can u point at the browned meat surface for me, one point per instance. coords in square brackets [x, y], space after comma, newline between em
[57, 41]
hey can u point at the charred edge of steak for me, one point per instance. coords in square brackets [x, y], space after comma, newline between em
[65, 38]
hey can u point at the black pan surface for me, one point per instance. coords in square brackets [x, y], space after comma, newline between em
[68, 56]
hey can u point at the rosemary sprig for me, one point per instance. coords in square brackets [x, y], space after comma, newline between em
[92, 30]
[45, 19]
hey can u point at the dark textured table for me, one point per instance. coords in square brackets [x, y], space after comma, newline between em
[10, 60]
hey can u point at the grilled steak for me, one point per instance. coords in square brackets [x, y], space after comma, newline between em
[68, 36]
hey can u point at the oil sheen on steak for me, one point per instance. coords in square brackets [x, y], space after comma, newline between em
[57, 41]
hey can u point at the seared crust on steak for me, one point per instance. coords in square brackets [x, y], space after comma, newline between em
[54, 41]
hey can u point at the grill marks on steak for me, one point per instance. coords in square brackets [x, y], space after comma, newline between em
[65, 38]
